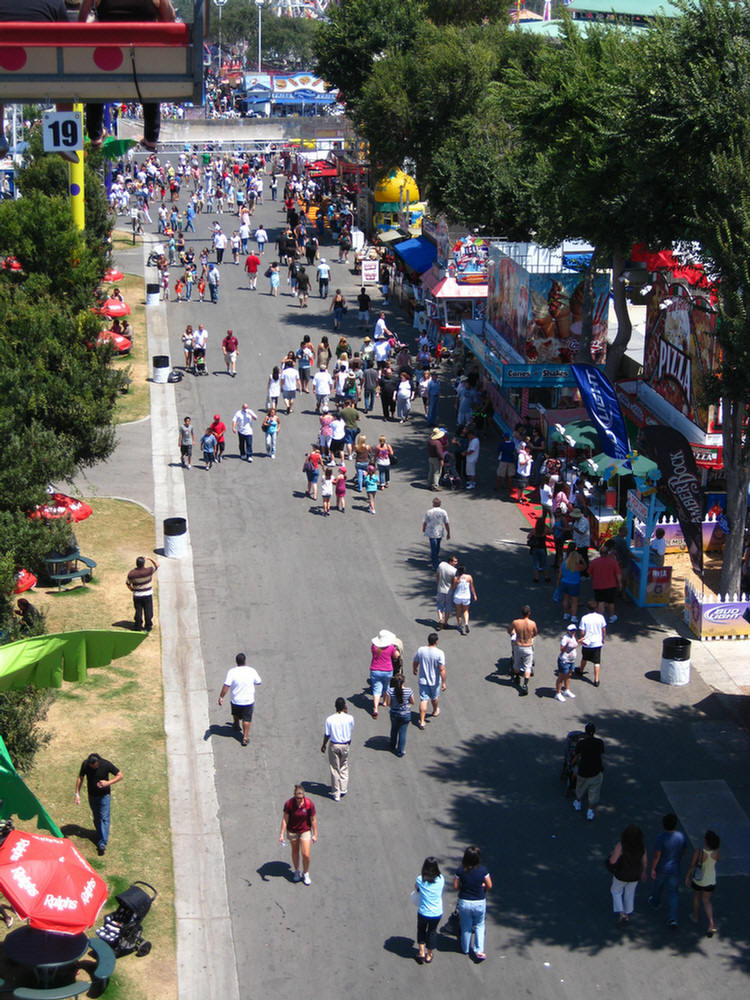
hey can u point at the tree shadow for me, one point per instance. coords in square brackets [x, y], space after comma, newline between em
[640, 750]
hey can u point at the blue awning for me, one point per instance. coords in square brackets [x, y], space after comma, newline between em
[418, 253]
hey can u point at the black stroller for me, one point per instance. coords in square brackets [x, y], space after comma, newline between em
[123, 929]
[569, 771]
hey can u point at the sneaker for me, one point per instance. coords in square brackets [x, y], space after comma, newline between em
[336, 797]
[577, 805]
[652, 903]
[672, 924]
[573, 620]
[569, 694]
[589, 814]
[250, 459]
[559, 696]
[613, 619]
[566, 616]
[297, 877]
[306, 878]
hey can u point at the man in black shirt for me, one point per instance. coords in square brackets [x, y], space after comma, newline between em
[97, 773]
[588, 758]
[388, 387]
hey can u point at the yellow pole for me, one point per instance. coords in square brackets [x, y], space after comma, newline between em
[75, 185]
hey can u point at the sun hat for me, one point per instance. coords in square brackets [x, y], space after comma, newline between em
[572, 627]
[384, 638]
[437, 433]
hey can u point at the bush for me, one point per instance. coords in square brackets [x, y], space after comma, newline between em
[20, 715]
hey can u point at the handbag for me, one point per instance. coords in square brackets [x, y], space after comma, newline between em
[698, 870]
[414, 897]
[394, 460]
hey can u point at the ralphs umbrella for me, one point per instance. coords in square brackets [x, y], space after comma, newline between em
[47, 881]
[115, 307]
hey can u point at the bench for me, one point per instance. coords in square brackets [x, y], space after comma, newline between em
[105, 960]
[51, 992]
[82, 573]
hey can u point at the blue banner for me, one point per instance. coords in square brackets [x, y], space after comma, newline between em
[599, 398]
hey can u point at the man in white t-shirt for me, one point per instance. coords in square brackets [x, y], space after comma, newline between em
[337, 736]
[322, 385]
[241, 681]
[220, 245]
[434, 525]
[261, 238]
[429, 668]
[381, 330]
[592, 631]
[290, 385]
[242, 425]
[566, 659]
[472, 458]
[443, 597]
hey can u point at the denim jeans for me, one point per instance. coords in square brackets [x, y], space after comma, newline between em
[399, 729]
[471, 915]
[100, 807]
[369, 400]
[672, 883]
[361, 470]
[435, 552]
[246, 445]
[384, 472]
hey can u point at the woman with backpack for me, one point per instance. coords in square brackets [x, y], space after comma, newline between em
[300, 824]
[402, 698]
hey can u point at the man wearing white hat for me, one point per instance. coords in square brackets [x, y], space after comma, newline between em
[566, 661]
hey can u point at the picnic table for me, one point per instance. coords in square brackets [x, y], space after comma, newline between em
[47, 953]
[64, 567]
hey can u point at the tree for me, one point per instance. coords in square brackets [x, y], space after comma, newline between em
[421, 92]
[286, 41]
[693, 88]
[358, 33]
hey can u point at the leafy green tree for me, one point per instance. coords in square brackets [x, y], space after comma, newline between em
[20, 715]
[457, 12]
[692, 90]
[357, 35]
[422, 92]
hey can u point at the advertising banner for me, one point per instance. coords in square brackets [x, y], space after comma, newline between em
[541, 314]
[672, 453]
[599, 398]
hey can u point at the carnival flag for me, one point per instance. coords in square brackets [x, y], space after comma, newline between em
[599, 398]
[674, 456]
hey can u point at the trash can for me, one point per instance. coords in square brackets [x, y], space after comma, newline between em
[152, 293]
[161, 367]
[175, 537]
[675, 661]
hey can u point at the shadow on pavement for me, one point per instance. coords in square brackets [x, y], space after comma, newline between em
[275, 869]
[225, 729]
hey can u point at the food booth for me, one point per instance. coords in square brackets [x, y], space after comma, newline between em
[455, 289]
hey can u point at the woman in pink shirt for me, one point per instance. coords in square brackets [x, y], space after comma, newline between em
[386, 650]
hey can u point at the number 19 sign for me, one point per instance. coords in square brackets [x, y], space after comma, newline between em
[62, 131]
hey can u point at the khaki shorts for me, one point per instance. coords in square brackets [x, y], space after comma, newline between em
[294, 837]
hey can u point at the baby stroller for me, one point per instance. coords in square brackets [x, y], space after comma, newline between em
[123, 929]
[199, 361]
[449, 477]
[569, 771]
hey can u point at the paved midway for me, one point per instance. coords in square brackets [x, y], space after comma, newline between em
[303, 595]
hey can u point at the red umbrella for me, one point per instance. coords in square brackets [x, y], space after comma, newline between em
[46, 880]
[61, 505]
[112, 274]
[122, 344]
[10, 263]
[115, 307]
[24, 581]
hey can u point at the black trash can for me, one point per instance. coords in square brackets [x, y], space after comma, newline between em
[175, 537]
[675, 660]
[152, 293]
[161, 367]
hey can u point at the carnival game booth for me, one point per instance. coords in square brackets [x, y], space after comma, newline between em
[529, 337]
[413, 258]
[394, 195]
[680, 349]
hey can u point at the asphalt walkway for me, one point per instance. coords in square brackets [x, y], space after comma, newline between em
[302, 595]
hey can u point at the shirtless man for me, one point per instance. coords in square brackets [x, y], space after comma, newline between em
[524, 629]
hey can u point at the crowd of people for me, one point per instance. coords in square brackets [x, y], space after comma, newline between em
[344, 377]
